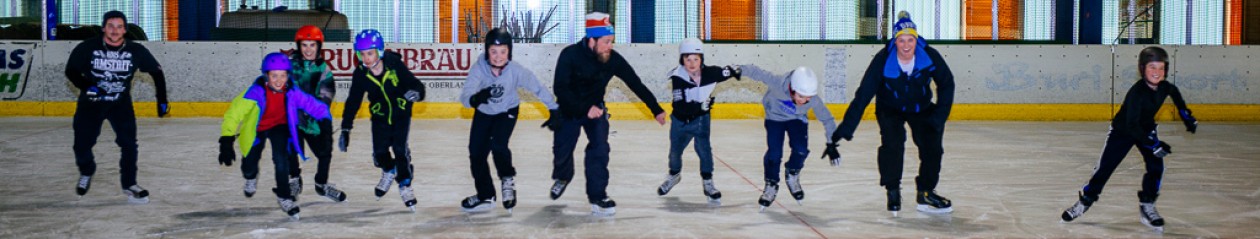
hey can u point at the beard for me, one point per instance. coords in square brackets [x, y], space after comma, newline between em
[603, 57]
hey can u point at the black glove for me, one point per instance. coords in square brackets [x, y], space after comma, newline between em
[481, 97]
[1160, 149]
[734, 72]
[833, 154]
[226, 153]
[413, 96]
[344, 141]
[553, 121]
[1191, 123]
[163, 109]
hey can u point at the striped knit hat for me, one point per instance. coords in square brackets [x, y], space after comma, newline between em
[597, 25]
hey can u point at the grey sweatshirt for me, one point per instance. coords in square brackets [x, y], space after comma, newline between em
[778, 100]
[503, 94]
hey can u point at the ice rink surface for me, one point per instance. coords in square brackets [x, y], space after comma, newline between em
[1006, 179]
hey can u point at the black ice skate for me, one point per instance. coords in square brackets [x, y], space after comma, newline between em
[1079, 208]
[509, 193]
[408, 197]
[670, 181]
[85, 183]
[712, 192]
[768, 194]
[330, 191]
[475, 204]
[136, 194]
[557, 189]
[894, 201]
[1149, 216]
[606, 207]
[794, 185]
[930, 202]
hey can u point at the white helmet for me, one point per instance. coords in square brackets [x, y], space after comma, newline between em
[803, 81]
[691, 46]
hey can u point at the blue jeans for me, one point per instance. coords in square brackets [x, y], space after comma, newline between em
[681, 134]
[798, 138]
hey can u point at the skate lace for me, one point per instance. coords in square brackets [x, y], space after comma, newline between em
[407, 195]
[555, 189]
[1149, 211]
[84, 180]
[287, 204]
[1077, 209]
[136, 189]
[794, 182]
[295, 187]
[770, 192]
[331, 190]
[670, 181]
[709, 188]
[251, 185]
[386, 180]
[509, 189]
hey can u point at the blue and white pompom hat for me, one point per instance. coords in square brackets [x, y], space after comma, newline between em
[597, 25]
[904, 25]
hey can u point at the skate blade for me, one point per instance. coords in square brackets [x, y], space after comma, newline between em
[1157, 229]
[715, 202]
[412, 208]
[763, 209]
[603, 214]
[929, 209]
[800, 203]
[296, 217]
[476, 210]
[144, 200]
[509, 211]
[894, 213]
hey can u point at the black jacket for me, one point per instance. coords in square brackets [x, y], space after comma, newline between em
[896, 91]
[384, 92]
[693, 100]
[581, 80]
[1136, 118]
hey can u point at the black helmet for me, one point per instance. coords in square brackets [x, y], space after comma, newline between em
[498, 36]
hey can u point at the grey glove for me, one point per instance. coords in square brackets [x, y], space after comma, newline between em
[412, 96]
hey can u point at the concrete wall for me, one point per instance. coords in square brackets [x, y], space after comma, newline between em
[985, 74]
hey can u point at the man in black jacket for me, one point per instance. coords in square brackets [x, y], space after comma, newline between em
[900, 78]
[102, 68]
[582, 74]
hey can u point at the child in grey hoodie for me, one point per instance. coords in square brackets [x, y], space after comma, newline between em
[787, 104]
[491, 90]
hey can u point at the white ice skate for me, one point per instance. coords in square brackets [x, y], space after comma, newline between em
[712, 193]
[382, 187]
[670, 181]
[408, 197]
[290, 207]
[509, 193]
[794, 185]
